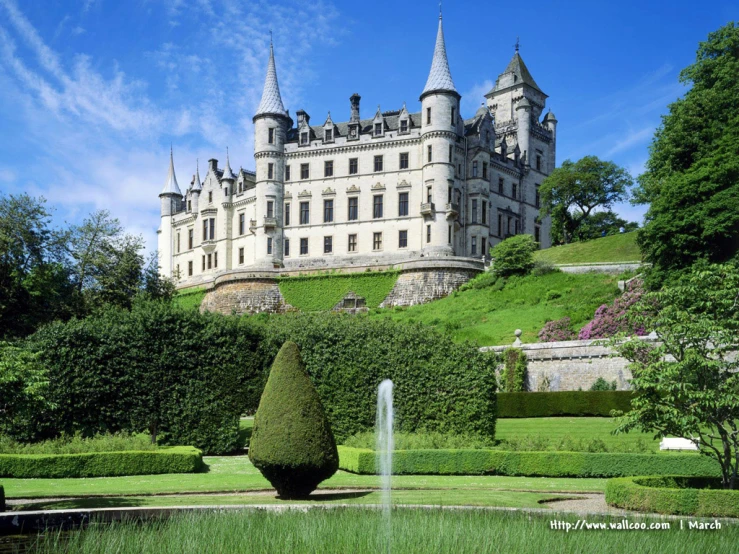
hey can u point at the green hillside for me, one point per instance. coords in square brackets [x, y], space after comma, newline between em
[490, 314]
[614, 248]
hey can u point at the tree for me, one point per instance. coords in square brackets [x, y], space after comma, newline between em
[572, 192]
[687, 385]
[514, 255]
[691, 181]
[601, 224]
[292, 443]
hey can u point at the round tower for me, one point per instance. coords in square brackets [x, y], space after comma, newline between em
[523, 115]
[171, 197]
[440, 132]
[550, 122]
[271, 123]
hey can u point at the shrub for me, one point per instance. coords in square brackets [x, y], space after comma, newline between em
[601, 385]
[292, 443]
[421, 441]
[514, 255]
[567, 403]
[174, 459]
[440, 386]
[543, 267]
[692, 496]
[558, 330]
[78, 444]
[608, 321]
[513, 378]
[528, 464]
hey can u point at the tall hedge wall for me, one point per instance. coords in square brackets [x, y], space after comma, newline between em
[567, 403]
[439, 385]
[176, 459]
[529, 464]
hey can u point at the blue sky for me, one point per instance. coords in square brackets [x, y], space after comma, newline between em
[92, 92]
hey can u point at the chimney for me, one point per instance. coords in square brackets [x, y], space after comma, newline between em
[354, 99]
[212, 164]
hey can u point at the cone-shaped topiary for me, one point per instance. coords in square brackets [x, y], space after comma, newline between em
[292, 443]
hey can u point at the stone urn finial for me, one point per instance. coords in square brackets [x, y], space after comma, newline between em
[517, 342]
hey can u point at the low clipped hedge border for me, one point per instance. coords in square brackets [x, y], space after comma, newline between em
[529, 464]
[673, 495]
[568, 403]
[174, 459]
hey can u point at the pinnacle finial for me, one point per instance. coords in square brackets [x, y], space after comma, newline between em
[518, 44]
[227, 173]
[439, 9]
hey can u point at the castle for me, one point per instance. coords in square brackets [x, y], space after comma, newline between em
[396, 187]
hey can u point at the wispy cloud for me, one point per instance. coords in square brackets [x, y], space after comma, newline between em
[472, 99]
[630, 140]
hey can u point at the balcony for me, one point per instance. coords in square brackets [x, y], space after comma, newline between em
[252, 225]
[452, 210]
[427, 208]
[270, 222]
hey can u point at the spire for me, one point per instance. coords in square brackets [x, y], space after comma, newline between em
[271, 100]
[518, 74]
[440, 78]
[171, 186]
[227, 173]
[197, 186]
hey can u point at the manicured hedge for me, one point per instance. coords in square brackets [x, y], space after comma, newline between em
[530, 464]
[673, 495]
[175, 459]
[568, 403]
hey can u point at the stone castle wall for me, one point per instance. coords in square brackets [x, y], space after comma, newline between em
[241, 294]
[421, 282]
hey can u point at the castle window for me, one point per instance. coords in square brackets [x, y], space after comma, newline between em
[303, 247]
[474, 168]
[514, 190]
[205, 229]
[271, 138]
[376, 241]
[269, 245]
[538, 162]
[449, 195]
[212, 228]
[287, 214]
[537, 233]
[453, 119]
[178, 242]
[304, 171]
[459, 170]
[378, 163]
[190, 238]
[353, 166]
[402, 239]
[482, 247]
[328, 245]
[328, 135]
[241, 186]
[225, 191]
[270, 171]
[473, 248]
[429, 153]
[210, 196]
[402, 204]
[474, 211]
[242, 223]
[328, 211]
[303, 138]
[270, 208]
[377, 206]
[500, 185]
[241, 256]
[304, 213]
[189, 205]
[287, 247]
[451, 154]
[203, 262]
[429, 194]
[378, 129]
[352, 243]
[287, 173]
[353, 214]
[189, 268]
[510, 224]
[500, 225]
[449, 234]
[538, 197]
[516, 227]
[428, 116]
[328, 168]
[484, 212]
[404, 126]
[428, 233]
[404, 160]
[215, 259]
[484, 170]
[210, 261]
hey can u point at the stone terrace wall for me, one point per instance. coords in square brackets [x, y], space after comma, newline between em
[244, 294]
[572, 365]
[603, 267]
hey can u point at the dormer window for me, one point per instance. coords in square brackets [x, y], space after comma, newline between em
[328, 135]
[404, 126]
[304, 138]
[378, 129]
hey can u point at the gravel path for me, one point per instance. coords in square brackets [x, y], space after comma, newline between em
[586, 503]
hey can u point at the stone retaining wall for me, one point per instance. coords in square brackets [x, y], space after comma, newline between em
[610, 267]
[245, 297]
[421, 282]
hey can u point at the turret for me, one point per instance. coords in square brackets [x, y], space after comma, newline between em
[440, 128]
[550, 122]
[197, 188]
[523, 115]
[271, 123]
[171, 197]
[228, 179]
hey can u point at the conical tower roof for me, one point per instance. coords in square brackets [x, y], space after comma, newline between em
[227, 173]
[440, 78]
[197, 186]
[271, 100]
[520, 72]
[171, 186]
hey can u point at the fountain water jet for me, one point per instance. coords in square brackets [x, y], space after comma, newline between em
[385, 444]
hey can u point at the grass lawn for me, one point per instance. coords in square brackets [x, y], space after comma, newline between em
[237, 474]
[190, 298]
[408, 531]
[490, 316]
[614, 248]
[577, 428]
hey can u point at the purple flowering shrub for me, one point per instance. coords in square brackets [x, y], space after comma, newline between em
[558, 330]
[611, 320]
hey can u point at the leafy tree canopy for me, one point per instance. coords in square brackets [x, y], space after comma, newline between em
[691, 181]
[514, 255]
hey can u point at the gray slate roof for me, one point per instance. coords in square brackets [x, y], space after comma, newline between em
[171, 186]
[519, 69]
[227, 173]
[271, 100]
[392, 123]
[440, 78]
